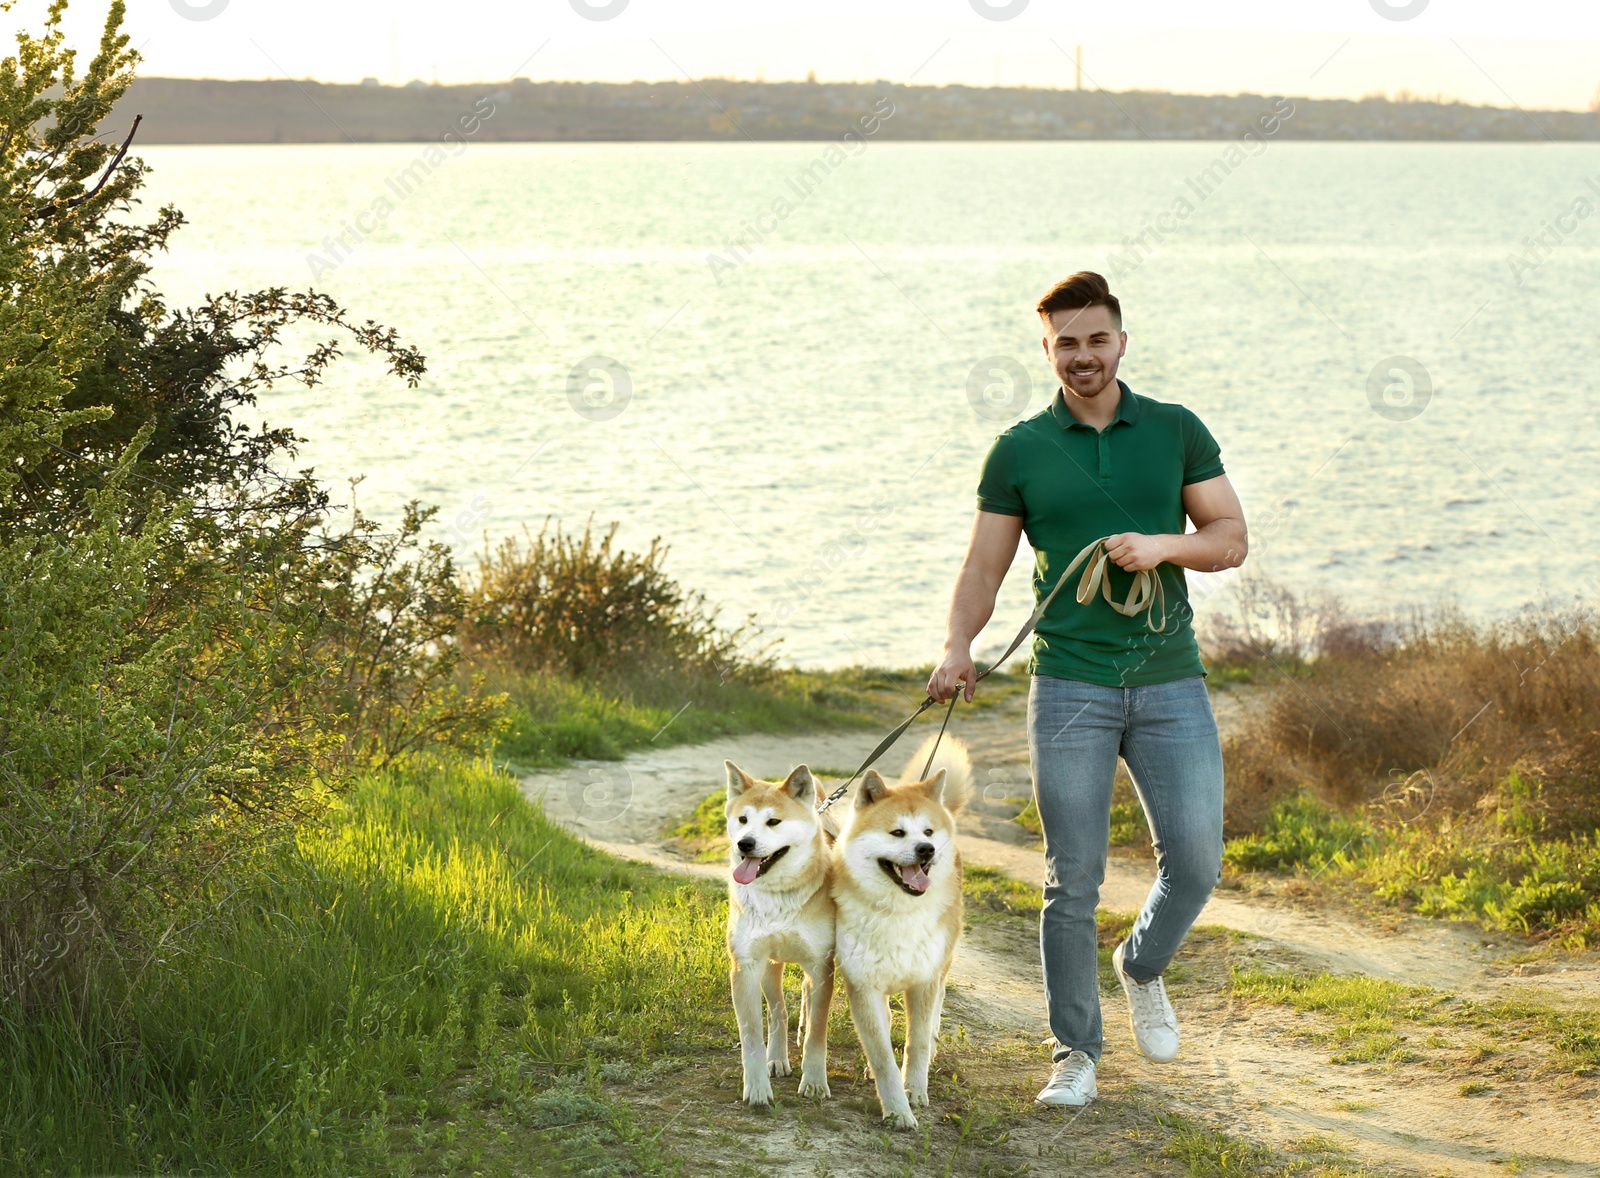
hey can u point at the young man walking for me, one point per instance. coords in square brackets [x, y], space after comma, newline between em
[1103, 461]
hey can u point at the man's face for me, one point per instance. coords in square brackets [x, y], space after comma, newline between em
[1084, 346]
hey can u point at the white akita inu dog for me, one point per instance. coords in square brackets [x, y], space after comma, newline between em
[779, 910]
[896, 880]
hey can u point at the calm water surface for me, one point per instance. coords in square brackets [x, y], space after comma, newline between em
[799, 422]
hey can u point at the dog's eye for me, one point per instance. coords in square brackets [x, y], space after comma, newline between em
[743, 820]
[898, 833]
[772, 821]
[929, 831]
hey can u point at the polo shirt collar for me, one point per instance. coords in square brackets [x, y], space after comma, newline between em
[1127, 409]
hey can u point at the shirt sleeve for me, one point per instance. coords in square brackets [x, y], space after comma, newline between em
[1202, 457]
[997, 485]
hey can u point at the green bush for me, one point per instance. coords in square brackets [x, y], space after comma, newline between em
[388, 606]
[134, 764]
[194, 655]
[582, 608]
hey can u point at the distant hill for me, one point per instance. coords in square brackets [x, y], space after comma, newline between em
[184, 110]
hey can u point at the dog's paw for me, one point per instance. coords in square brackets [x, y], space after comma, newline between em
[758, 1089]
[814, 1086]
[917, 1095]
[900, 1118]
[778, 1067]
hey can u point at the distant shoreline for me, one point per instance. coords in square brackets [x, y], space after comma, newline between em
[203, 111]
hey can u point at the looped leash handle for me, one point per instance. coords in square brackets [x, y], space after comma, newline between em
[1145, 595]
[1146, 589]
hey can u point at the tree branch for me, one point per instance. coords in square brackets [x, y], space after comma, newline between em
[52, 208]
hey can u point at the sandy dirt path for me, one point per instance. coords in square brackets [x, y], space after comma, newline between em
[1248, 1069]
[629, 806]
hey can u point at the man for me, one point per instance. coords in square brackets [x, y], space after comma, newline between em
[1103, 461]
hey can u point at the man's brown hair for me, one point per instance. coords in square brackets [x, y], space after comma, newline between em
[1083, 289]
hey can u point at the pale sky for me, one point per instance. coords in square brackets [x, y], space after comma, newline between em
[1534, 53]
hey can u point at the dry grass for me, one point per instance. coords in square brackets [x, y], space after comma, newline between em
[1433, 710]
[1467, 754]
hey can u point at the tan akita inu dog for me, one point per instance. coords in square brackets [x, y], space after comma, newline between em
[896, 880]
[779, 910]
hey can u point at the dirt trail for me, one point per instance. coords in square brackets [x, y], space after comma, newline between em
[1249, 1070]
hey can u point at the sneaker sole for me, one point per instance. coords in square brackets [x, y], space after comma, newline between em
[1067, 1103]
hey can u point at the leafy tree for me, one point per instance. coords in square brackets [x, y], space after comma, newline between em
[192, 654]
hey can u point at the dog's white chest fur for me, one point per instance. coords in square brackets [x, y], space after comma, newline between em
[886, 948]
[769, 925]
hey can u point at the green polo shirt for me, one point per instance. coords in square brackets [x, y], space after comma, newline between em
[1072, 484]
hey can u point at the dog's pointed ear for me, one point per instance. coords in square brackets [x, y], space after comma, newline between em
[873, 787]
[801, 785]
[934, 786]
[738, 779]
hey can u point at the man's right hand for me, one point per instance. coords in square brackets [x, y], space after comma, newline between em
[956, 668]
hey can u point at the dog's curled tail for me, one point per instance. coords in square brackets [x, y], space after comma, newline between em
[953, 758]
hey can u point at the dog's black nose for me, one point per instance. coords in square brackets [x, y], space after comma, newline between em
[746, 845]
[924, 852]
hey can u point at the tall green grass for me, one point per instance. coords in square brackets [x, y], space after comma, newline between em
[1472, 870]
[600, 652]
[436, 961]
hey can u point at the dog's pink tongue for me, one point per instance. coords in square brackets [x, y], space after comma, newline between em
[748, 869]
[915, 878]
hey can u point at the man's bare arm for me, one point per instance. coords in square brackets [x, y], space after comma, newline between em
[1220, 539]
[989, 555]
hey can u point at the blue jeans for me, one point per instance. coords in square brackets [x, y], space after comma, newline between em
[1168, 736]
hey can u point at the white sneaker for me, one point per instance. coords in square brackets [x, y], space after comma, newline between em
[1071, 1082]
[1155, 1026]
